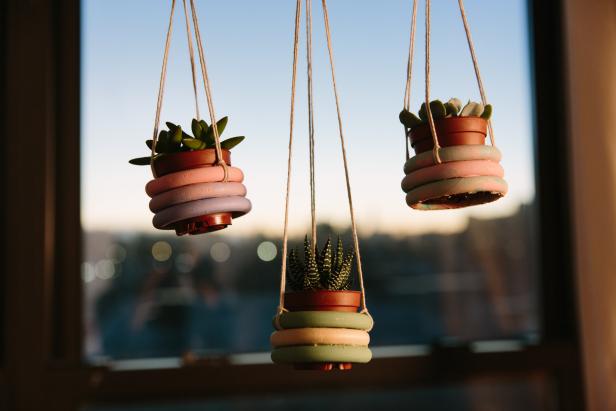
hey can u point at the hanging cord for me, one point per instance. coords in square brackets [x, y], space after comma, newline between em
[364, 309]
[161, 84]
[313, 206]
[437, 147]
[285, 235]
[208, 92]
[471, 47]
[409, 70]
[191, 53]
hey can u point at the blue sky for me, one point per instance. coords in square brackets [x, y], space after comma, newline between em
[249, 51]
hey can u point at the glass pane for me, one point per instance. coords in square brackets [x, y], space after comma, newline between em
[502, 396]
[448, 276]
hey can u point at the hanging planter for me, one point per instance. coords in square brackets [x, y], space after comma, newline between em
[321, 324]
[322, 329]
[452, 166]
[195, 189]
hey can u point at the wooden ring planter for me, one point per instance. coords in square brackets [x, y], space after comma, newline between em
[469, 173]
[189, 196]
[322, 331]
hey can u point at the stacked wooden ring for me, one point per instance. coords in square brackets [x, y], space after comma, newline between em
[469, 172]
[190, 196]
[321, 340]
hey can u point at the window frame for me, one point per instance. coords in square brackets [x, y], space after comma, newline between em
[42, 335]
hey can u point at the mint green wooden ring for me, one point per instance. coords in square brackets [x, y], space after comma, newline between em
[321, 353]
[453, 153]
[323, 319]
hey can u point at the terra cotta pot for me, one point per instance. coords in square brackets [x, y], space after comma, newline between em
[451, 131]
[322, 300]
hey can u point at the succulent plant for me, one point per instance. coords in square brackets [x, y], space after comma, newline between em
[325, 270]
[452, 108]
[176, 140]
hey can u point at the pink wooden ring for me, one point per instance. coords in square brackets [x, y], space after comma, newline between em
[319, 336]
[453, 153]
[452, 169]
[192, 176]
[456, 193]
[237, 205]
[196, 192]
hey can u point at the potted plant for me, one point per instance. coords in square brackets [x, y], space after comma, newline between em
[330, 327]
[454, 124]
[188, 193]
[467, 172]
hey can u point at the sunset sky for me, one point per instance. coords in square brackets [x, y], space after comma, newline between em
[249, 53]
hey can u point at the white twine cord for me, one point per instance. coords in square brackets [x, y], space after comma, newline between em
[409, 71]
[161, 84]
[191, 54]
[471, 48]
[313, 202]
[285, 236]
[344, 158]
[437, 147]
[208, 92]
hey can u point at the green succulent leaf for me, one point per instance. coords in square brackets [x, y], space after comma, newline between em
[487, 112]
[472, 109]
[149, 143]
[312, 279]
[437, 108]
[295, 273]
[409, 119]
[177, 136]
[231, 142]
[456, 105]
[196, 128]
[423, 114]
[141, 161]
[171, 126]
[193, 143]
[204, 130]
[221, 125]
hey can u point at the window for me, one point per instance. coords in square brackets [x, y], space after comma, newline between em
[115, 324]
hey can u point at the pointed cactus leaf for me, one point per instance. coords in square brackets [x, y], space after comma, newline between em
[193, 143]
[171, 126]
[221, 125]
[149, 143]
[487, 112]
[163, 136]
[409, 119]
[229, 143]
[141, 161]
[204, 130]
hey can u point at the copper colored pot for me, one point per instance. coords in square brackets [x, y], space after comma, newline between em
[170, 163]
[451, 131]
[322, 300]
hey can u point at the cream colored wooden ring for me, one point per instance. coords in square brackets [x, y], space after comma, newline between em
[319, 336]
[453, 153]
[418, 197]
[453, 169]
[324, 319]
[321, 353]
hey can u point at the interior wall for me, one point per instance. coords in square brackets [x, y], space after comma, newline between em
[591, 49]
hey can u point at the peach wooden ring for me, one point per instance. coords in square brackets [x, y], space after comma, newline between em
[424, 197]
[236, 205]
[192, 176]
[319, 336]
[453, 153]
[321, 353]
[451, 169]
[194, 192]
